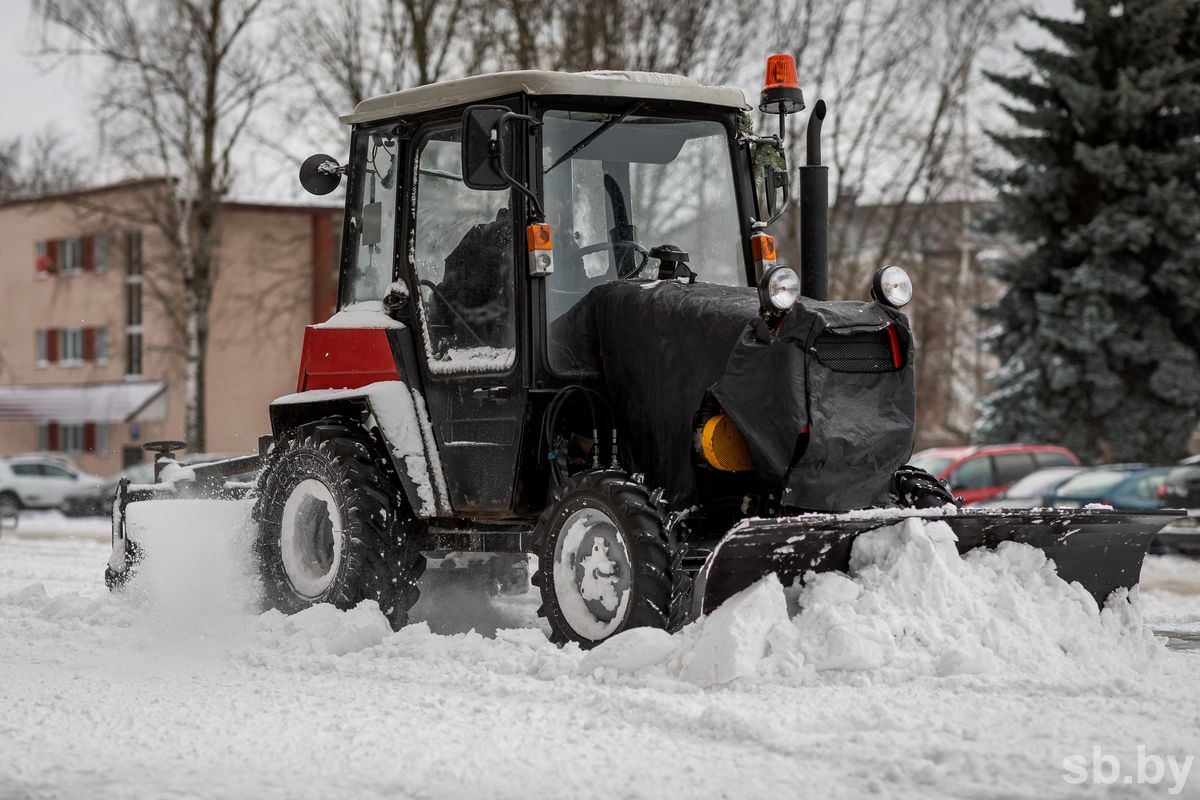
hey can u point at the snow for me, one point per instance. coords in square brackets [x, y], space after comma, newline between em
[919, 674]
[365, 314]
[470, 360]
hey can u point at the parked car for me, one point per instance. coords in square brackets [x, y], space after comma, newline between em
[981, 472]
[1181, 489]
[1034, 490]
[40, 481]
[96, 501]
[1122, 486]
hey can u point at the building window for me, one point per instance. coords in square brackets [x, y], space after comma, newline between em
[133, 354]
[133, 253]
[43, 436]
[100, 445]
[70, 437]
[101, 335]
[43, 259]
[133, 305]
[100, 253]
[43, 348]
[71, 345]
[70, 256]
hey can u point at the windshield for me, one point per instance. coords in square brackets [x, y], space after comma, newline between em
[934, 465]
[644, 182]
[1092, 484]
[1040, 482]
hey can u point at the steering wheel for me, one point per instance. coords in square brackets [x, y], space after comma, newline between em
[600, 246]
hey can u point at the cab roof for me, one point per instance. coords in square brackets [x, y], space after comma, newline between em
[633, 85]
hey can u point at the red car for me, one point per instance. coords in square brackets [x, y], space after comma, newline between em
[981, 472]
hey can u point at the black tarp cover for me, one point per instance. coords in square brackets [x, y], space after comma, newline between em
[662, 346]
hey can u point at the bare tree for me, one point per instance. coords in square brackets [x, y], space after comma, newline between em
[40, 164]
[182, 83]
[349, 50]
[705, 39]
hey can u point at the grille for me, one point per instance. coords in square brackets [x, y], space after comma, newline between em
[862, 351]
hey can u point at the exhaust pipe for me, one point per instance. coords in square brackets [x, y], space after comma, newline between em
[814, 214]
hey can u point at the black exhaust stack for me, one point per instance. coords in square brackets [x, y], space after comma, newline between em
[814, 214]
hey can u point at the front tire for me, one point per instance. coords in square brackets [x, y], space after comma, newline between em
[333, 526]
[603, 560]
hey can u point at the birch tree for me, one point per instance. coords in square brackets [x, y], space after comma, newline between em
[181, 84]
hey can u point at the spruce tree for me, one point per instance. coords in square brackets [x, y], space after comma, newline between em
[1097, 328]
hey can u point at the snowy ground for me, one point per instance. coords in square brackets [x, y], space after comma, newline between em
[898, 683]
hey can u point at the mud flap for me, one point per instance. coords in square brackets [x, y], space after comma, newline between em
[1101, 549]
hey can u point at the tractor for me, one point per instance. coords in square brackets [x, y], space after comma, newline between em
[564, 330]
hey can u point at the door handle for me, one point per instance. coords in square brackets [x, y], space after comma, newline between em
[493, 393]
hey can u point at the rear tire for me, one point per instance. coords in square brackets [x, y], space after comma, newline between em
[333, 526]
[604, 563]
[10, 509]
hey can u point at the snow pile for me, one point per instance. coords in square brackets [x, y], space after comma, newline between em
[324, 629]
[910, 607]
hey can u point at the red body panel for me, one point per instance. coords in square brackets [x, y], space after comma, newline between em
[345, 358]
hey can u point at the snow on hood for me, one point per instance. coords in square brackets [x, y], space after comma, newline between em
[365, 314]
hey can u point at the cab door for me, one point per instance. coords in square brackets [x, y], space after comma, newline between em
[464, 274]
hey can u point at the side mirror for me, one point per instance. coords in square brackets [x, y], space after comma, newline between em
[777, 190]
[320, 174]
[487, 148]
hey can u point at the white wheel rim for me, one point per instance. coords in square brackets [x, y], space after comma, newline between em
[592, 574]
[310, 538]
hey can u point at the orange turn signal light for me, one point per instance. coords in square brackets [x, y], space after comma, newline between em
[539, 237]
[781, 72]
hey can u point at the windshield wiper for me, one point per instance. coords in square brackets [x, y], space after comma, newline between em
[594, 135]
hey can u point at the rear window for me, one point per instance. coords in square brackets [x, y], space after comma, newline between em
[1040, 482]
[1188, 474]
[1147, 487]
[934, 465]
[1011, 467]
[1092, 483]
[974, 474]
[1053, 459]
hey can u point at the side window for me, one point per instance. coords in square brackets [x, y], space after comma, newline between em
[973, 474]
[373, 215]
[27, 470]
[53, 471]
[1011, 467]
[463, 257]
[1052, 459]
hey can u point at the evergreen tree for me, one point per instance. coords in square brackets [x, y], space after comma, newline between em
[1098, 327]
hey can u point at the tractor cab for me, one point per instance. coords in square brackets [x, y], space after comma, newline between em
[485, 258]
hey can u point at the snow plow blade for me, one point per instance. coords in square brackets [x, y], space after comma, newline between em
[1101, 549]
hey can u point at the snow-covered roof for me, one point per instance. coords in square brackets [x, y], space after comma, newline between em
[98, 402]
[634, 85]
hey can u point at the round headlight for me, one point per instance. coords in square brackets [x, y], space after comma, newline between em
[779, 289]
[892, 286]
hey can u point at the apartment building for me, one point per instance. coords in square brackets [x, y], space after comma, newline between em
[91, 347]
